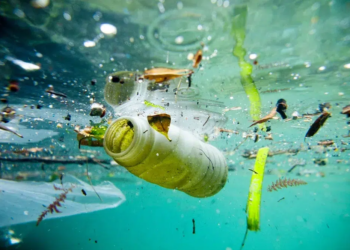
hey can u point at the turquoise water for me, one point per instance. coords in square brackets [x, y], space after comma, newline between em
[155, 218]
[298, 50]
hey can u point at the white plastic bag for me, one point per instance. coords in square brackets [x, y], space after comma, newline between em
[23, 202]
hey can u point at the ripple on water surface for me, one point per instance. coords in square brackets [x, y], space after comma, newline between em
[185, 30]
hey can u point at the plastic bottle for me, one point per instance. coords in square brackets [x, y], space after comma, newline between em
[190, 111]
[185, 163]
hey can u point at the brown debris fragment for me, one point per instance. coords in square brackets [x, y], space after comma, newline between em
[321, 162]
[160, 123]
[346, 111]
[160, 75]
[233, 108]
[326, 143]
[284, 183]
[269, 137]
[319, 122]
[226, 130]
[252, 154]
[57, 203]
[51, 91]
[197, 58]
[10, 130]
[266, 118]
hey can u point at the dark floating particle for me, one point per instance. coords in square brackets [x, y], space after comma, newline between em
[256, 138]
[13, 86]
[253, 171]
[4, 100]
[320, 162]
[268, 128]
[282, 107]
[206, 120]
[324, 106]
[194, 226]
[93, 82]
[189, 78]
[95, 241]
[61, 178]
[55, 93]
[68, 117]
[7, 114]
[83, 191]
[280, 199]
[318, 124]
[38, 106]
[346, 111]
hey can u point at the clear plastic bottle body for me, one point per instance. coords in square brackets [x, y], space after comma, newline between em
[185, 163]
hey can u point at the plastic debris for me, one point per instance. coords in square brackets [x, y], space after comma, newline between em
[22, 202]
[97, 109]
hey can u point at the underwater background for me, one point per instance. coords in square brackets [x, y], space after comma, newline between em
[55, 60]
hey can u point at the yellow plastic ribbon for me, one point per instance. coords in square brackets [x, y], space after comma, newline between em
[254, 197]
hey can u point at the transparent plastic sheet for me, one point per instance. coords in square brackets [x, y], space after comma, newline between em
[23, 202]
[188, 109]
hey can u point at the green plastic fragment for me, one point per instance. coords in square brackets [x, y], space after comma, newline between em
[149, 104]
[206, 137]
[98, 131]
[238, 32]
[53, 177]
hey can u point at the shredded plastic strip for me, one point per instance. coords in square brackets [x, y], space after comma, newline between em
[254, 197]
[238, 32]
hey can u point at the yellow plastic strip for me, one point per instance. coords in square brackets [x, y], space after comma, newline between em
[238, 32]
[254, 197]
[149, 104]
